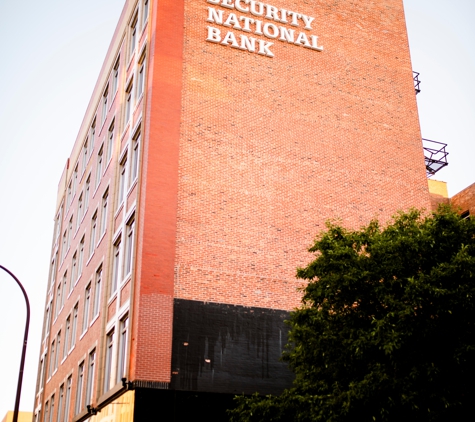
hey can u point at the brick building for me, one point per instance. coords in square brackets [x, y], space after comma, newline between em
[463, 202]
[220, 137]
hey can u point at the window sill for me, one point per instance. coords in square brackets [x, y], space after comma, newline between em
[90, 258]
[132, 186]
[124, 131]
[83, 334]
[107, 165]
[94, 319]
[127, 278]
[103, 123]
[113, 98]
[102, 237]
[131, 58]
[119, 209]
[138, 101]
[97, 187]
[112, 297]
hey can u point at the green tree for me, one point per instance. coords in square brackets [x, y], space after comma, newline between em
[386, 330]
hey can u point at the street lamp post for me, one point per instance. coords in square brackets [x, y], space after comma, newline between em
[23, 352]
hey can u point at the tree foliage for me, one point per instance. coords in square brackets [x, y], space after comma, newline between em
[386, 330]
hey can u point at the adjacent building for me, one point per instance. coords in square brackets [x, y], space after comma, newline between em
[219, 138]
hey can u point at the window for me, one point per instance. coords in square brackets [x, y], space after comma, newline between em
[145, 12]
[52, 277]
[105, 201]
[80, 211]
[133, 34]
[75, 179]
[92, 136]
[64, 289]
[70, 232]
[74, 325]
[115, 77]
[59, 417]
[109, 355]
[70, 194]
[97, 293]
[51, 358]
[80, 257]
[49, 312]
[86, 193]
[85, 154]
[64, 247]
[122, 177]
[122, 361]
[47, 319]
[57, 225]
[51, 409]
[135, 158]
[128, 101]
[104, 104]
[67, 399]
[90, 376]
[80, 387]
[129, 246]
[67, 334]
[58, 349]
[87, 304]
[74, 271]
[141, 77]
[110, 142]
[47, 411]
[41, 373]
[92, 245]
[99, 167]
[465, 215]
[116, 266]
[58, 299]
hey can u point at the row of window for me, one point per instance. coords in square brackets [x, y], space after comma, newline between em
[123, 243]
[105, 152]
[127, 177]
[62, 346]
[121, 270]
[114, 370]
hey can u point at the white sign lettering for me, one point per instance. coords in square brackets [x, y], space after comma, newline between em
[254, 26]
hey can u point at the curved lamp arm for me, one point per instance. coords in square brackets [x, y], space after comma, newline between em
[25, 340]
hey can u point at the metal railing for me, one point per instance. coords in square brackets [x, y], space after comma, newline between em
[417, 82]
[435, 156]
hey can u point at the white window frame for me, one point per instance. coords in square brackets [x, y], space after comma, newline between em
[87, 307]
[105, 97]
[97, 293]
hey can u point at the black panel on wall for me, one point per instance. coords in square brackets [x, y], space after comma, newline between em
[228, 349]
[181, 406]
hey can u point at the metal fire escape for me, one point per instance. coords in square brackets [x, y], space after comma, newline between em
[435, 156]
[434, 152]
[417, 82]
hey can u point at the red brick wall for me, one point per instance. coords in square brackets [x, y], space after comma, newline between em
[245, 157]
[436, 200]
[270, 148]
[153, 299]
[465, 200]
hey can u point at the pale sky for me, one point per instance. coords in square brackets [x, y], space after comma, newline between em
[52, 52]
